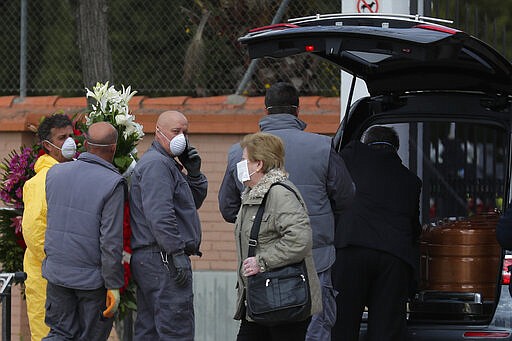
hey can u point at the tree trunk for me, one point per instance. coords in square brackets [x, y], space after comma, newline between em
[92, 31]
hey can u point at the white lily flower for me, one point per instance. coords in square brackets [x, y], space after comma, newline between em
[90, 94]
[123, 120]
[113, 106]
[139, 129]
[88, 120]
[127, 94]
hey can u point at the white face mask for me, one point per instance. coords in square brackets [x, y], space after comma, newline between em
[177, 145]
[68, 149]
[242, 171]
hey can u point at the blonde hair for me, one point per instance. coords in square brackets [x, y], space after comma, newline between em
[264, 147]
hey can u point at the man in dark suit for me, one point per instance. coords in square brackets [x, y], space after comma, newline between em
[377, 239]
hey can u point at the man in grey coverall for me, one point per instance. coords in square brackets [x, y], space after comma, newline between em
[320, 175]
[84, 240]
[166, 231]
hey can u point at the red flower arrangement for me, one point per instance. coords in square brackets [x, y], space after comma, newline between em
[127, 250]
[128, 292]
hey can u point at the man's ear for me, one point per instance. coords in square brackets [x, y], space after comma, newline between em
[46, 146]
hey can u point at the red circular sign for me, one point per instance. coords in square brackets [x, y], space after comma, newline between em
[367, 6]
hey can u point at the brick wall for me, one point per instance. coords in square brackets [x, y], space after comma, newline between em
[218, 245]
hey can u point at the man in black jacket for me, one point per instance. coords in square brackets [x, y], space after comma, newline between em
[377, 239]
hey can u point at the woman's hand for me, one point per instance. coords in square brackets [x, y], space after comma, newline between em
[250, 266]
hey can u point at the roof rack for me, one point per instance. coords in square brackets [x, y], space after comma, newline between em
[412, 17]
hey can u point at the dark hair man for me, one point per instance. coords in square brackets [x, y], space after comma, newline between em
[54, 134]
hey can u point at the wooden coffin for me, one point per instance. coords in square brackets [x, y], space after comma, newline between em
[462, 256]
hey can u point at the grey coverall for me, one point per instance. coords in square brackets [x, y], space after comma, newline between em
[164, 218]
[83, 246]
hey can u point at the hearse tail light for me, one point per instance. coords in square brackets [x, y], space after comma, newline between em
[505, 272]
[274, 27]
[486, 335]
[309, 48]
[437, 28]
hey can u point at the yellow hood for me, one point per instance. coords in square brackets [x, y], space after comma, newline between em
[44, 161]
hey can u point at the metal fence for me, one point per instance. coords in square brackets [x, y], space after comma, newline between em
[181, 47]
[159, 47]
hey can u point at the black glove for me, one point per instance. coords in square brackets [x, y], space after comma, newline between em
[191, 160]
[191, 249]
[182, 266]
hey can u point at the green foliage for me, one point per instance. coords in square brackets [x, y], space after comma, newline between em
[128, 301]
[11, 253]
[17, 168]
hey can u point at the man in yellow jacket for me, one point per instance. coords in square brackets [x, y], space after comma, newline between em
[54, 134]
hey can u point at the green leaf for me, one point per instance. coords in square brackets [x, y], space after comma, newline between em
[11, 253]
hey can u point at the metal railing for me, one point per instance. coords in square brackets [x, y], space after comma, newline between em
[6, 282]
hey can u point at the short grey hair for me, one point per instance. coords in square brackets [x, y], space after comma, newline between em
[381, 135]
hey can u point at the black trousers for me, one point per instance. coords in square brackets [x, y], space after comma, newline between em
[377, 280]
[250, 331]
[74, 314]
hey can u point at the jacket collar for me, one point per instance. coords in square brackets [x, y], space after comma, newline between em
[158, 147]
[281, 121]
[92, 158]
[256, 193]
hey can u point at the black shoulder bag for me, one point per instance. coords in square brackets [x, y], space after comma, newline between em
[280, 295]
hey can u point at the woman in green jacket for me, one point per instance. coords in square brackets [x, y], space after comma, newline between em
[285, 234]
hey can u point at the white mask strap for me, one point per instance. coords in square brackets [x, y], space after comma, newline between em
[161, 133]
[99, 144]
[53, 144]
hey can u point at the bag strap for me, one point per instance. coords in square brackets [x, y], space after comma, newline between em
[255, 230]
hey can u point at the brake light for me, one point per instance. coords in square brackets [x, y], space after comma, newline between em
[487, 335]
[274, 27]
[505, 273]
[309, 48]
[437, 28]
